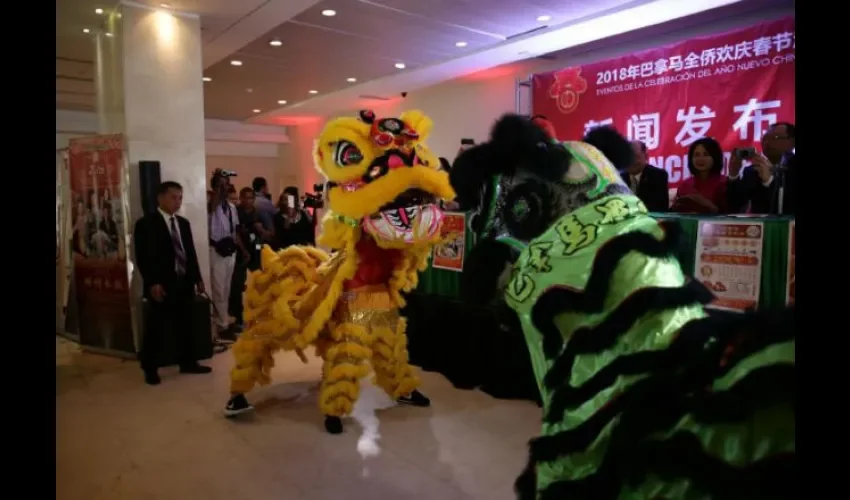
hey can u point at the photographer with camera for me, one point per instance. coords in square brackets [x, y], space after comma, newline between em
[292, 224]
[224, 244]
[769, 183]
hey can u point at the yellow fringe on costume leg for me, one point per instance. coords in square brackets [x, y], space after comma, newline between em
[254, 359]
[346, 362]
[390, 361]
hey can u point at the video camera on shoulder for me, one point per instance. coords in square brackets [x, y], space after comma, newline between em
[315, 200]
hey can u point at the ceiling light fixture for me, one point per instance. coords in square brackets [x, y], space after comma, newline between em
[86, 31]
[275, 42]
[98, 11]
[257, 110]
[400, 65]
[207, 79]
[543, 19]
[249, 90]
[165, 6]
[460, 44]
[109, 34]
[351, 80]
[329, 13]
[314, 91]
[281, 102]
[235, 63]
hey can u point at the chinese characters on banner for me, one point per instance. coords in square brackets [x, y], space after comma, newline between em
[100, 256]
[792, 263]
[449, 253]
[728, 262]
[730, 86]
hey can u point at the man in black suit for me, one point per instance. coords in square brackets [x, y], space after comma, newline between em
[759, 183]
[647, 182]
[166, 257]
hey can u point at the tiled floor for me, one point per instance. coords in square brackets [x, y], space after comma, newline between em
[118, 439]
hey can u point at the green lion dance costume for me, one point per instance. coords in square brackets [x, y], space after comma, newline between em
[382, 222]
[645, 395]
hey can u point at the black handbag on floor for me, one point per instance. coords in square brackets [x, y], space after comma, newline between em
[201, 332]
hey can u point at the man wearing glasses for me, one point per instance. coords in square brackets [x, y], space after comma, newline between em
[769, 183]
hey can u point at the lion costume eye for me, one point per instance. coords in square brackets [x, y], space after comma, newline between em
[346, 154]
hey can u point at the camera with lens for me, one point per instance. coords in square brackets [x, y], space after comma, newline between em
[315, 200]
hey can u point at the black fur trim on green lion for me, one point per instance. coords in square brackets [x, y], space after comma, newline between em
[774, 478]
[606, 334]
[666, 404]
[592, 299]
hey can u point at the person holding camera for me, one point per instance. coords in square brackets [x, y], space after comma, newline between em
[292, 225]
[705, 191]
[769, 183]
[224, 243]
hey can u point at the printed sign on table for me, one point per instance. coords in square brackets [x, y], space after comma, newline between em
[731, 86]
[98, 243]
[792, 262]
[728, 262]
[449, 253]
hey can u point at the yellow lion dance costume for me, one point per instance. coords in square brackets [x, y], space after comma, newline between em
[382, 221]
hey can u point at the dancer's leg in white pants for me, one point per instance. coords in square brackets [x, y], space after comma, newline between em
[221, 272]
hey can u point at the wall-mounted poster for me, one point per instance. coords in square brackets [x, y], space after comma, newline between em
[792, 262]
[98, 243]
[728, 262]
[449, 254]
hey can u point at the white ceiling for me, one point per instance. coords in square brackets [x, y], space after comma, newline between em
[363, 40]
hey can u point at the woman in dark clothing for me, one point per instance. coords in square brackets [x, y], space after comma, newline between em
[292, 225]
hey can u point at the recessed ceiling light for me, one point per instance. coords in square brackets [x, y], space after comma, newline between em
[257, 110]
[543, 19]
[400, 65]
[329, 13]
[235, 63]
[275, 43]
[351, 80]
[207, 79]
[165, 6]
[98, 11]
[249, 90]
[109, 34]
[460, 44]
[314, 91]
[281, 102]
[86, 30]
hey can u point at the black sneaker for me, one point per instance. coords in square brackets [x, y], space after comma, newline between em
[415, 398]
[152, 378]
[237, 405]
[333, 425]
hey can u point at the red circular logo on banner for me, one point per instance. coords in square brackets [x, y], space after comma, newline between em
[566, 89]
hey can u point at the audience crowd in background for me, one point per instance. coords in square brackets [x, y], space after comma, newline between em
[766, 186]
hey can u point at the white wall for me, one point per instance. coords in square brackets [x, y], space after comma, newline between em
[467, 107]
[250, 150]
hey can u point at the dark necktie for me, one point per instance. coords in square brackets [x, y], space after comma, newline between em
[179, 254]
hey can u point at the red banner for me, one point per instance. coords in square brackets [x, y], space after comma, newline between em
[100, 256]
[730, 86]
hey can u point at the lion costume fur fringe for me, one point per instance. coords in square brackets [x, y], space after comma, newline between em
[301, 296]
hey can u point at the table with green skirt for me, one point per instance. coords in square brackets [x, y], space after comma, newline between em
[774, 266]
[446, 284]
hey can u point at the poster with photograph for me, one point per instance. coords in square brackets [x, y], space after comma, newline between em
[98, 243]
[449, 254]
[728, 262]
[792, 261]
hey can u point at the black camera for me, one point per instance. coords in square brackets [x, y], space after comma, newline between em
[315, 200]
